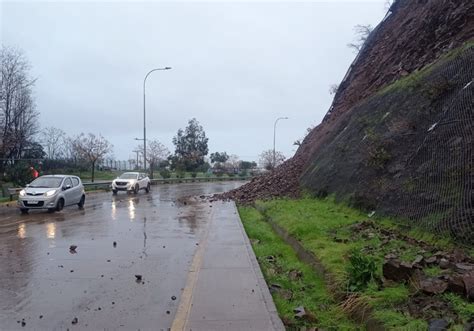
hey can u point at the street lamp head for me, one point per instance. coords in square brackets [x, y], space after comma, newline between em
[167, 68]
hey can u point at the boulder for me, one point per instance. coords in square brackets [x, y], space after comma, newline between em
[456, 285]
[433, 286]
[396, 271]
[468, 281]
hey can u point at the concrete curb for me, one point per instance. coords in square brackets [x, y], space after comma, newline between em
[267, 297]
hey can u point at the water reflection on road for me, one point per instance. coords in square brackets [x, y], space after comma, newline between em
[45, 285]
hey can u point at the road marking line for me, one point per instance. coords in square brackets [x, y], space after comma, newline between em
[184, 308]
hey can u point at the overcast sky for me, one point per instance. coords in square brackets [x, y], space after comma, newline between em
[237, 66]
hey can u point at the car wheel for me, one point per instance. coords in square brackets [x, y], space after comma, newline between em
[81, 203]
[114, 192]
[60, 205]
[24, 210]
[147, 190]
[136, 189]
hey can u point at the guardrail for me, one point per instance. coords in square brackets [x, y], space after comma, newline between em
[106, 184]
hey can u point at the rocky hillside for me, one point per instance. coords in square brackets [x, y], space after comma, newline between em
[398, 136]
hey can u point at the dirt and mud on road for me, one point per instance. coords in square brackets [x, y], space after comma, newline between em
[127, 269]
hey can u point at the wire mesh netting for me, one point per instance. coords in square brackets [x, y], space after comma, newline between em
[407, 150]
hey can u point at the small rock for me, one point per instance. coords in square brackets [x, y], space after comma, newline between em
[418, 260]
[443, 263]
[431, 260]
[40, 316]
[74, 321]
[72, 248]
[299, 312]
[138, 277]
[433, 286]
[173, 298]
[438, 325]
[391, 256]
[168, 312]
[115, 244]
[71, 270]
[462, 267]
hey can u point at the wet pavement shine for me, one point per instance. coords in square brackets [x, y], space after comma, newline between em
[46, 286]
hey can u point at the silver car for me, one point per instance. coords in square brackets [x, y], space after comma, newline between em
[52, 192]
[131, 182]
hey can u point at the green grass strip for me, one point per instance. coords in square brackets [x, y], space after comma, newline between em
[308, 290]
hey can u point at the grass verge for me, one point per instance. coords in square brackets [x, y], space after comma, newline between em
[332, 232]
[292, 282]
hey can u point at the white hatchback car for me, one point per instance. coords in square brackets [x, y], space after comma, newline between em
[131, 182]
[52, 192]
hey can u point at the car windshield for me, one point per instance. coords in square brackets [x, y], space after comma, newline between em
[128, 175]
[46, 182]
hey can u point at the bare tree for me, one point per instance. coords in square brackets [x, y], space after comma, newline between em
[266, 159]
[18, 115]
[54, 142]
[333, 89]
[232, 164]
[362, 32]
[156, 152]
[92, 148]
[300, 141]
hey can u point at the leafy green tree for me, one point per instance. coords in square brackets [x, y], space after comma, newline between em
[219, 157]
[190, 147]
[246, 165]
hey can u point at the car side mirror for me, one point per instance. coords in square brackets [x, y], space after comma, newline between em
[67, 187]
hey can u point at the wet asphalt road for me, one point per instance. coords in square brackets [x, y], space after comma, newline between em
[44, 286]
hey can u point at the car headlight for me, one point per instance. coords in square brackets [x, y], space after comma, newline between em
[22, 193]
[50, 193]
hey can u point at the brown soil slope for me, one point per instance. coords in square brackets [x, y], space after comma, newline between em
[349, 154]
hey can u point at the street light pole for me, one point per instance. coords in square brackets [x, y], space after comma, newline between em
[144, 113]
[274, 138]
